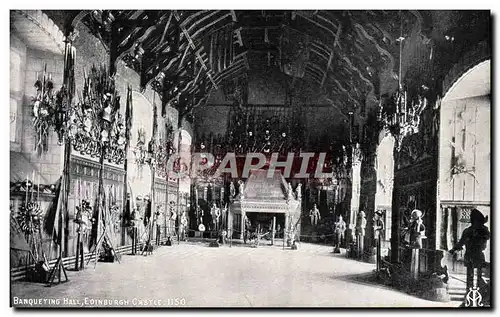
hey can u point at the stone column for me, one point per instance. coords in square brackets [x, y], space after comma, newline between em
[273, 230]
[286, 229]
[355, 190]
[242, 226]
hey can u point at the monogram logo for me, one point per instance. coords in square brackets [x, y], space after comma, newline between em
[474, 298]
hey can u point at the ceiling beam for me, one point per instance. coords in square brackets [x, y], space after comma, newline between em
[315, 23]
[166, 28]
[313, 74]
[230, 72]
[191, 43]
[335, 43]
[195, 34]
[192, 16]
[199, 21]
[322, 48]
[337, 37]
[328, 21]
[327, 68]
[234, 67]
[320, 54]
[333, 104]
[348, 61]
[258, 27]
[183, 57]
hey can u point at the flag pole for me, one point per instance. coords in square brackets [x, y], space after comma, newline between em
[62, 208]
[128, 126]
[179, 181]
[152, 164]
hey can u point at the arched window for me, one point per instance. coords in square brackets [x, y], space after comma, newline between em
[385, 179]
[464, 153]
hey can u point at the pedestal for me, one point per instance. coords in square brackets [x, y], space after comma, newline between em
[361, 245]
[379, 257]
[134, 240]
[158, 235]
[414, 263]
[79, 254]
[336, 249]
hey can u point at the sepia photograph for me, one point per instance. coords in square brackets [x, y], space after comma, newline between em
[227, 158]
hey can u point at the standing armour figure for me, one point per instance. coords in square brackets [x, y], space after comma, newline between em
[314, 215]
[474, 238]
[416, 230]
[183, 225]
[299, 191]
[340, 227]
[248, 226]
[378, 229]
[360, 231]
[378, 225]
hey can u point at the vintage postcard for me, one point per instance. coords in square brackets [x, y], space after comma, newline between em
[250, 158]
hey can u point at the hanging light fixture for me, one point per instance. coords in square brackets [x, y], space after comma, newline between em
[403, 118]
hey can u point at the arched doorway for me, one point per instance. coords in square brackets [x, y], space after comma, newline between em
[464, 157]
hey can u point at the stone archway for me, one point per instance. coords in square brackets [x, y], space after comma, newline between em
[37, 30]
[464, 152]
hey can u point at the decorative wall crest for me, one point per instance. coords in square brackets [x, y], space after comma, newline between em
[140, 150]
[95, 123]
[44, 112]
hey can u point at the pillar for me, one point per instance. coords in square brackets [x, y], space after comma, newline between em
[273, 230]
[355, 190]
[242, 226]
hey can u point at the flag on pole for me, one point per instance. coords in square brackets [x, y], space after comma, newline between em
[69, 69]
[128, 115]
[154, 136]
[52, 224]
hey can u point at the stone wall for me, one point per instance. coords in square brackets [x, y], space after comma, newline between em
[17, 83]
[48, 163]
[29, 62]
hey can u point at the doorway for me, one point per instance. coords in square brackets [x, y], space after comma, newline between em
[263, 222]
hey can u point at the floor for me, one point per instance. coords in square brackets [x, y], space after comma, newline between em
[194, 275]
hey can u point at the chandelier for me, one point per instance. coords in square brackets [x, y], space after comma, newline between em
[401, 114]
